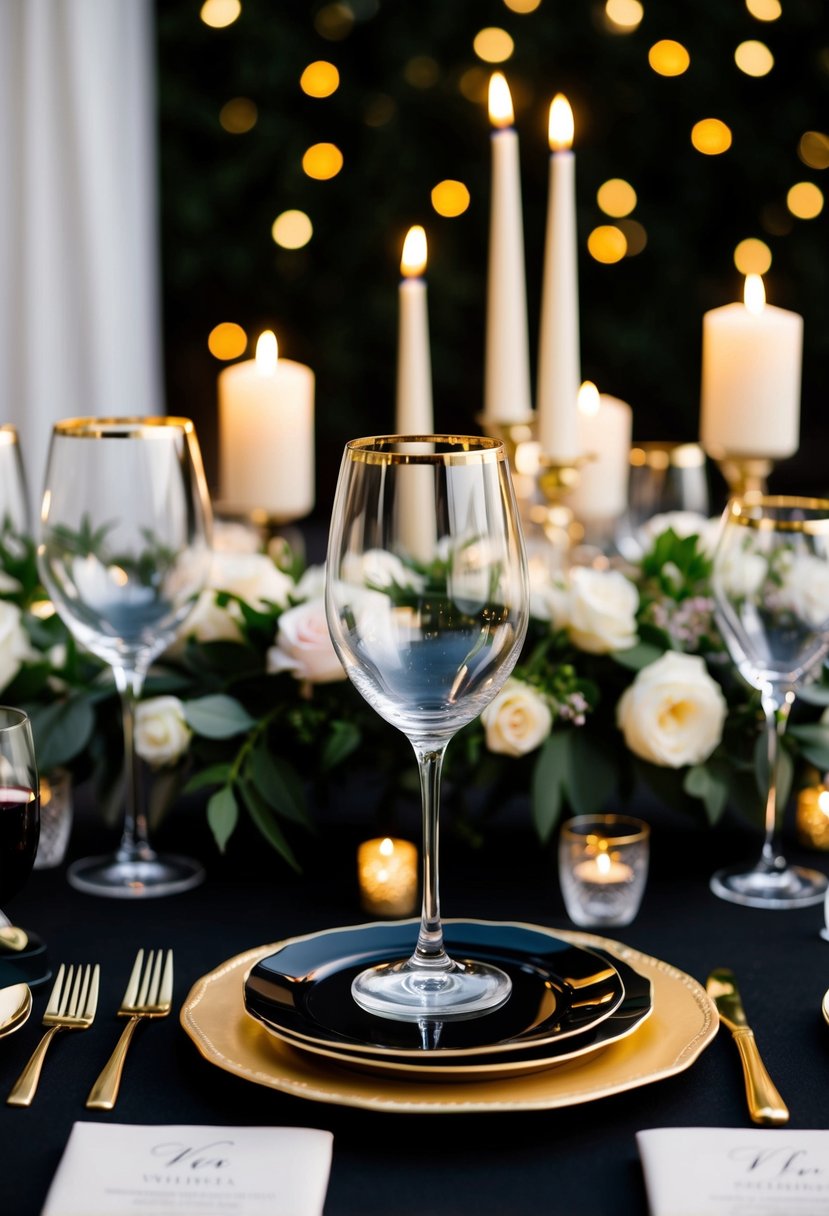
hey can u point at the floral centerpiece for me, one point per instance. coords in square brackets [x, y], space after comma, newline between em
[623, 681]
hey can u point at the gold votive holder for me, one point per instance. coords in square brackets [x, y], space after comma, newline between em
[388, 874]
[812, 817]
[603, 867]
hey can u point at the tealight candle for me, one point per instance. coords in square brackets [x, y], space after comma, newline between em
[603, 867]
[387, 872]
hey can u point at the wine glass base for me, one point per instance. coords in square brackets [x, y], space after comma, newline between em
[790, 887]
[139, 878]
[406, 992]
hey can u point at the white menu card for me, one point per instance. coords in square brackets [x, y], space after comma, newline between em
[728, 1171]
[119, 1169]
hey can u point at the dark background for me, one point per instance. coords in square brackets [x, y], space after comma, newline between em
[333, 303]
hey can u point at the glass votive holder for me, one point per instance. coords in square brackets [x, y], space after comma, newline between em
[56, 814]
[603, 868]
[387, 873]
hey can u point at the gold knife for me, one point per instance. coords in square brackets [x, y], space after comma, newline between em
[764, 1102]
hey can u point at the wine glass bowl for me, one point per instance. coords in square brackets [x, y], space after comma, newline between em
[427, 603]
[123, 554]
[19, 815]
[771, 590]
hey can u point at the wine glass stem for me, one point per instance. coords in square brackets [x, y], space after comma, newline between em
[776, 710]
[135, 836]
[429, 951]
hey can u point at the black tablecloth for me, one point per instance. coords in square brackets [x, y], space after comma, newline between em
[577, 1160]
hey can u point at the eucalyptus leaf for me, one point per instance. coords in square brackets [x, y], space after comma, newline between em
[548, 782]
[590, 775]
[812, 740]
[223, 815]
[343, 740]
[217, 716]
[279, 785]
[263, 816]
[638, 656]
[61, 731]
[217, 774]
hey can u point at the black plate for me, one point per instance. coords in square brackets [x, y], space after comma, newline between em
[636, 1007]
[558, 990]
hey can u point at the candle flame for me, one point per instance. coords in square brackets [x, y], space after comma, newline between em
[588, 398]
[413, 262]
[603, 863]
[500, 101]
[754, 294]
[561, 128]
[267, 353]
[386, 846]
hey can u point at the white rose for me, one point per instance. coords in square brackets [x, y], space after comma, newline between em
[232, 537]
[517, 720]
[304, 646]
[806, 589]
[602, 610]
[15, 648]
[162, 735]
[311, 585]
[251, 576]
[673, 712]
[549, 597]
[378, 568]
[208, 622]
[681, 523]
[739, 572]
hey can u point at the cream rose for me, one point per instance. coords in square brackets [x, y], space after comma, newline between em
[304, 646]
[162, 735]
[673, 712]
[602, 610]
[15, 648]
[517, 720]
[806, 589]
[251, 576]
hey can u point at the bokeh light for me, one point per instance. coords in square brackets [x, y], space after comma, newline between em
[239, 115]
[292, 229]
[322, 161]
[635, 235]
[450, 198]
[607, 244]
[711, 136]
[421, 72]
[320, 79]
[754, 58]
[764, 10]
[493, 44]
[625, 15]
[813, 149]
[669, 58]
[805, 200]
[752, 256]
[219, 14]
[522, 6]
[379, 110]
[616, 197]
[227, 340]
[474, 84]
[334, 22]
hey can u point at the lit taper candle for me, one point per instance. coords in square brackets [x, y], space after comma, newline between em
[507, 395]
[414, 414]
[559, 360]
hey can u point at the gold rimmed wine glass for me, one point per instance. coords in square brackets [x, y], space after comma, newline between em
[427, 602]
[771, 592]
[124, 550]
[19, 816]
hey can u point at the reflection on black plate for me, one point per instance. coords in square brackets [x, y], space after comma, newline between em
[636, 1007]
[559, 989]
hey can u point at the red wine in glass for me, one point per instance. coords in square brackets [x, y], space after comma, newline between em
[19, 834]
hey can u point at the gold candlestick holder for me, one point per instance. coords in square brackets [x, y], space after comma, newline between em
[557, 479]
[512, 434]
[745, 474]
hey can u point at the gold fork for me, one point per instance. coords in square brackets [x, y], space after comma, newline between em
[72, 1004]
[147, 996]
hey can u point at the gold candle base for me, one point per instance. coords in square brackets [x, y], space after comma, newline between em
[812, 818]
[556, 481]
[746, 474]
[512, 434]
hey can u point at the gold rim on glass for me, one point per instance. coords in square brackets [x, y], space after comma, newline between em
[8, 435]
[744, 511]
[606, 826]
[120, 428]
[380, 449]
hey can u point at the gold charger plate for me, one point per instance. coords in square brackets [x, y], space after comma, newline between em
[683, 1023]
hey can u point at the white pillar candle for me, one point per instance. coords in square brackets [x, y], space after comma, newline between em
[266, 435]
[604, 429]
[751, 364]
[414, 415]
[559, 362]
[507, 396]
